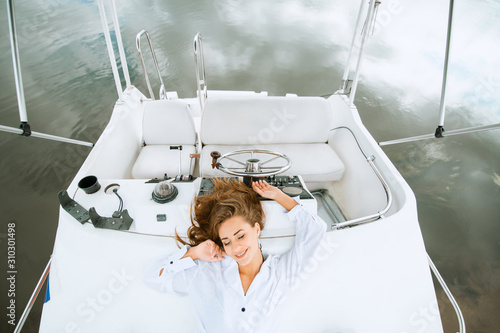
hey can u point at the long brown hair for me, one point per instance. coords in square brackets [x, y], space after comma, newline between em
[229, 198]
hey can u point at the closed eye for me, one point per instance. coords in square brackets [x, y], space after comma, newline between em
[239, 237]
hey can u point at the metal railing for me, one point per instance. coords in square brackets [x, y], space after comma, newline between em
[387, 189]
[109, 46]
[162, 92]
[200, 70]
[349, 86]
[461, 320]
[33, 298]
[344, 86]
[374, 217]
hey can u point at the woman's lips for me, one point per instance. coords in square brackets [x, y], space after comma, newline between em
[242, 254]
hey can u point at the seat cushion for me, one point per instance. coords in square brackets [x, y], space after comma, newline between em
[167, 122]
[269, 120]
[315, 162]
[156, 160]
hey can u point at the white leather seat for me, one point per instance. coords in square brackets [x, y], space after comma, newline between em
[166, 123]
[298, 127]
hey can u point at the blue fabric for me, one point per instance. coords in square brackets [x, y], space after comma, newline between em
[47, 292]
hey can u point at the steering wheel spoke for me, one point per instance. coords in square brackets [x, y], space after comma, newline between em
[269, 160]
[239, 162]
[272, 167]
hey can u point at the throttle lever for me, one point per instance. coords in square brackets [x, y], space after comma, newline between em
[215, 156]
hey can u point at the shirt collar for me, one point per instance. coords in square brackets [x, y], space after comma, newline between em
[233, 275]
[234, 279]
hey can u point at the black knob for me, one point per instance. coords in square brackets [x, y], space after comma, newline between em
[215, 156]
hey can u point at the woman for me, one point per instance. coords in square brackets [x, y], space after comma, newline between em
[232, 286]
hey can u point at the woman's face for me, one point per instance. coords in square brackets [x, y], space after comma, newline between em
[240, 239]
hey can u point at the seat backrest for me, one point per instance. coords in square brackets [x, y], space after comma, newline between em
[168, 122]
[268, 120]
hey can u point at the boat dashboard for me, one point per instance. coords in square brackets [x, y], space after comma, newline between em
[162, 207]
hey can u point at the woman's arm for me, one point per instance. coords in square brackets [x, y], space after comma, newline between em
[171, 274]
[174, 273]
[206, 251]
[310, 230]
[270, 192]
[309, 235]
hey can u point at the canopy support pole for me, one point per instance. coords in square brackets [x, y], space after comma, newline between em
[442, 106]
[109, 46]
[21, 101]
[367, 29]
[345, 78]
[119, 41]
[449, 133]
[22, 131]
[25, 129]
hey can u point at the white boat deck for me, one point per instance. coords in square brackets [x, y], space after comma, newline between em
[369, 278]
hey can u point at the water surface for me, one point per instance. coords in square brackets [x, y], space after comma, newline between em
[284, 47]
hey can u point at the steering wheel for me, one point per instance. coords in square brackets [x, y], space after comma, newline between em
[253, 167]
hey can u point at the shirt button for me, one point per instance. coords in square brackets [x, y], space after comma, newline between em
[242, 309]
[171, 262]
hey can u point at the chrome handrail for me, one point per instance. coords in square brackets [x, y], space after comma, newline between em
[388, 192]
[376, 216]
[33, 298]
[200, 70]
[461, 320]
[162, 92]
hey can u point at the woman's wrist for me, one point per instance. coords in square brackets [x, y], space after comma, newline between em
[286, 201]
[191, 252]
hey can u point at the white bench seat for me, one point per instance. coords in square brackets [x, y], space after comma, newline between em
[298, 127]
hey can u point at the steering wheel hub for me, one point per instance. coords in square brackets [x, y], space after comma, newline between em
[253, 165]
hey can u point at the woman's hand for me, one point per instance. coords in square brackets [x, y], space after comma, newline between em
[270, 192]
[206, 251]
[265, 190]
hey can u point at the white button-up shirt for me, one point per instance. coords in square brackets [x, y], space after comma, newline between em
[215, 287]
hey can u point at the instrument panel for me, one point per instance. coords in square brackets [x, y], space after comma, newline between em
[291, 185]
